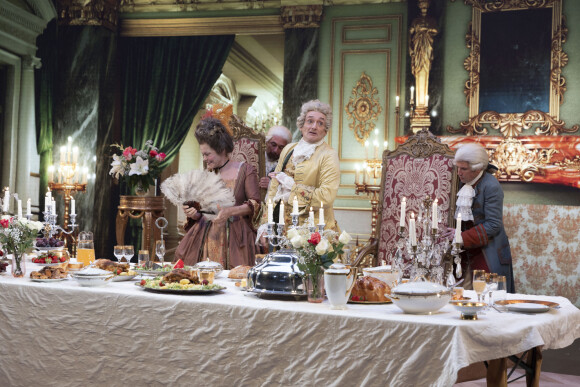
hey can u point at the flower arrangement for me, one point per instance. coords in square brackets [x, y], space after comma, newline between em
[17, 235]
[316, 252]
[139, 168]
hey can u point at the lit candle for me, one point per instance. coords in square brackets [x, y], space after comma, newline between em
[63, 154]
[364, 172]
[6, 202]
[458, 238]
[69, 150]
[51, 173]
[385, 145]
[412, 231]
[366, 150]
[311, 217]
[376, 144]
[412, 93]
[321, 214]
[75, 154]
[19, 209]
[72, 206]
[403, 209]
[53, 206]
[427, 100]
[356, 173]
[28, 207]
[295, 206]
[397, 101]
[270, 211]
[85, 175]
[434, 219]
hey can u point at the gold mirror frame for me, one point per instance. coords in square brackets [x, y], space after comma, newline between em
[512, 124]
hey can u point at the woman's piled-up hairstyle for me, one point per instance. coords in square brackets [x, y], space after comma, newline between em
[317, 106]
[212, 132]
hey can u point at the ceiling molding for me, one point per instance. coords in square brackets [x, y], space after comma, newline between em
[19, 28]
[253, 68]
[242, 25]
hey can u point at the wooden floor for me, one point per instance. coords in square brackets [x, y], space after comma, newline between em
[560, 367]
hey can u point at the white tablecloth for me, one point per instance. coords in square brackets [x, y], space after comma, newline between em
[61, 334]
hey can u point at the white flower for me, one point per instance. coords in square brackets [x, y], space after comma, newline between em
[322, 247]
[118, 169]
[344, 238]
[292, 233]
[35, 225]
[139, 167]
[297, 241]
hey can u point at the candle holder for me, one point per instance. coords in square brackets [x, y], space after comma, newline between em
[51, 228]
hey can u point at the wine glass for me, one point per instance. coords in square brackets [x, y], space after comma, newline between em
[143, 258]
[479, 283]
[491, 286]
[118, 252]
[501, 288]
[129, 252]
[160, 250]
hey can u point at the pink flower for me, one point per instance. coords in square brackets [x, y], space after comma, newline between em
[160, 156]
[153, 153]
[314, 239]
[5, 222]
[129, 152]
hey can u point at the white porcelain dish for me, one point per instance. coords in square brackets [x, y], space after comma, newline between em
[468, 309]
[92, 277]
[121, 278]
[528, 308]
[420, 297]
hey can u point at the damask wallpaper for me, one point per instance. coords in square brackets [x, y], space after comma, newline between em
[545, 245]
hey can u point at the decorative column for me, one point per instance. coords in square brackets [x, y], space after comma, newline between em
[301, 25]
[421, 33]
[27, 157]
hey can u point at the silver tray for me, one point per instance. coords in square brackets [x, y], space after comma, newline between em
[177, 291]
[277, 275]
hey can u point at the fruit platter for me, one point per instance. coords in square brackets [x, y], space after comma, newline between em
[184, 286]
[48, 244]
[50, 258]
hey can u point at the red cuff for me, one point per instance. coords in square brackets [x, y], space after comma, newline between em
[475, 237]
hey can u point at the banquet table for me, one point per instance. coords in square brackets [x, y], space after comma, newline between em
[63, 334]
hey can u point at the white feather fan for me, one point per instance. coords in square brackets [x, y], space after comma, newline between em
[204, 187]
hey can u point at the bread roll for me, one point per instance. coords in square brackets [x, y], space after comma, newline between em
[370, 289]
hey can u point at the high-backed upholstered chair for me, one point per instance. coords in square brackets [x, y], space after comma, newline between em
[420, 167]
[249, 146]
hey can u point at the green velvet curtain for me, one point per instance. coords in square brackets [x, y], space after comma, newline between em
[44, 81]
[166, 80]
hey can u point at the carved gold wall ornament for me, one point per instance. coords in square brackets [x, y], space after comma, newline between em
[566, 163]
[88, 13]
[514, 160]
[301, 16]
[512, 124]
[363, 108]
[508, 5]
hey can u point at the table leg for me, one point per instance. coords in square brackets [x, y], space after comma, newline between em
[534, 361]
[121, 226]
[497, 372]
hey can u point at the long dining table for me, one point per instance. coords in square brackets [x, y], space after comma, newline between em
[62, 334]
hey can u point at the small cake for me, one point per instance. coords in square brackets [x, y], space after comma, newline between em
[370, 289]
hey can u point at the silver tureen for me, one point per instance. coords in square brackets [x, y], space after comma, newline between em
[278, 274]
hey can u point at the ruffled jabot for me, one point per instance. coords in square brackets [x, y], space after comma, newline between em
[303, 151]
[465, 199]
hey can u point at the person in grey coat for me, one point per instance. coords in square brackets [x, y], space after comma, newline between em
[480, 202]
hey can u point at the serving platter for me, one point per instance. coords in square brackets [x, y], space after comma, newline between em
[510, 303]
[178, 291]
[370, 302]
[48, 279]
[121, 278]
[59, 248]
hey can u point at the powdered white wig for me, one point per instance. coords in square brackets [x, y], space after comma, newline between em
[474, 154]
[316, 106]
[280, 131]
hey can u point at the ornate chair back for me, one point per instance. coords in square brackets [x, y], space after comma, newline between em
[420, 167]
[249, 147]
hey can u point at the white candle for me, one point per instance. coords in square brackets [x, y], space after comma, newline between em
[63, 154]
[397, 101]
[412, 93]
[366, 150]
[72, 207]
[19, 209]
[376, 144]
[295, 206]
[412, 231]
[434, 220]
[385, 145]
[49, 196]
[321, 214]
[281, 213]
[356, 173]
[427, 100]
[403, 210]
[28, 207]
[311, 217]
[75, 154]
[69, 150]
[53, 206]
[51, 174]
[85, 175]
[364, 172]
[270, 211]
[6, 203]
[458, 238]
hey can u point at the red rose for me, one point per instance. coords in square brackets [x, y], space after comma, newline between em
[153, 153]
[129, 152]
[160, 157]
[314, 239]
[5, 223]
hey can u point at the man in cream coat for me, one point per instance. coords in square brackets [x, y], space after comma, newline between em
[309, 169]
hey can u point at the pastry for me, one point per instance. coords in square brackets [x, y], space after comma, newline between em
[239, 272]
[370, 289]
[176, 275]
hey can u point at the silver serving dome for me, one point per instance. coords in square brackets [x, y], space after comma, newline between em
[278, 274]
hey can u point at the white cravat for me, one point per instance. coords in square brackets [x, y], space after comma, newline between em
[303, 151]
[465, 199]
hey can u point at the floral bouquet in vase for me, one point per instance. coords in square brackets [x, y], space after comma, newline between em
[316, 252]
[139, 168]
[16, 236]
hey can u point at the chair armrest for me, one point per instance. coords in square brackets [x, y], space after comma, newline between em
[370, 249]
